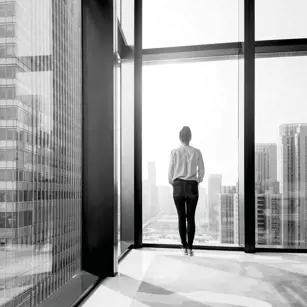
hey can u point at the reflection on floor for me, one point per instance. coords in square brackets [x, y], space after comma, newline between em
[155, 277]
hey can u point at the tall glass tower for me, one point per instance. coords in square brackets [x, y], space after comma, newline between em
[40, 148]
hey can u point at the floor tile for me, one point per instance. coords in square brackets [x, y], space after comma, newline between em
[165, 277]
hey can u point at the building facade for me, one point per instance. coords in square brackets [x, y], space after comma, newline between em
[266, 162]
[40, 146]
[294, 183]
[267, 189]
[268, 223]
[228, 220]
[214, 189]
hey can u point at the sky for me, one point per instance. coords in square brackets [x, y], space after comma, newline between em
[189, 22]
[205, 96]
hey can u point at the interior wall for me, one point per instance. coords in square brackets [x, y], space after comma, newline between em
[99, 210]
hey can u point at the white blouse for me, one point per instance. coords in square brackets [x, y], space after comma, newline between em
[186, 163]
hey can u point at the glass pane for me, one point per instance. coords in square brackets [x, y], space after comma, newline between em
[205, 97]
[118, 151]
[280, 19]
[127, 153]
[40, 148]
[169, 23]
[118, 4]
[281, 152]
[127, 20]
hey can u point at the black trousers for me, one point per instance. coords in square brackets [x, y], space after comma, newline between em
[185, 194]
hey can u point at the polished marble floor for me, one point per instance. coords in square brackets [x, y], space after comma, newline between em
[161, 277]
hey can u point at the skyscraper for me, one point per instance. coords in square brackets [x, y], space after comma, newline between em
[294, 183]
[40, 145]
[228, 219]
[268, 223]
[214, 189]
[266, 168]
[266, 162]
[268, 214]
[229, 189]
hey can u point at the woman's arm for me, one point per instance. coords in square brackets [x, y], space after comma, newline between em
[201, 167]
[171, 169]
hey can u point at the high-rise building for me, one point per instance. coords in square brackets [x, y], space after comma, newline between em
[267, 186]
[229, 189]
[214, 189]
[294, 183]
[266, 162]
[228, 220]
[236, 231]
[268, 219]
[267, 195]
[40, 145]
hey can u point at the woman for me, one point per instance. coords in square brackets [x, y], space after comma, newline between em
[186, 171]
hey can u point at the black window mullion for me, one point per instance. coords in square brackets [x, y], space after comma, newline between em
[249, 126]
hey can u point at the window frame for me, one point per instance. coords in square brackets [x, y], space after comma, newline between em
[249, 50]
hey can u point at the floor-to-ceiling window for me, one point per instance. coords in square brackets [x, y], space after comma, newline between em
[40, 148]
[178, 52]
[117, 121]
[281, 151]
[125, 123]
[118, 148]
[281, 128]
[202, 94]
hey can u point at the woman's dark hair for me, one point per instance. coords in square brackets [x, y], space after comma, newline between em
[185, 135]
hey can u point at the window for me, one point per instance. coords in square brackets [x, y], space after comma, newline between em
[280, 19]
[118, 152]
[7, 30]
[8, 72]
[204, 96]
[7, 9]
[7, 92]
[170, 23]
[7, 51]
[9, 113]
[281, 130]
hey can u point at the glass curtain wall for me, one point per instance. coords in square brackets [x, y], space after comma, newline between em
[118, 150]
[127, 123]
[117, 122]
[204, 95]
[40, 148]
[281, 129]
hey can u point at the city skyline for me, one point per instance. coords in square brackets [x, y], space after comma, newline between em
[281, 206]
[258, 147]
